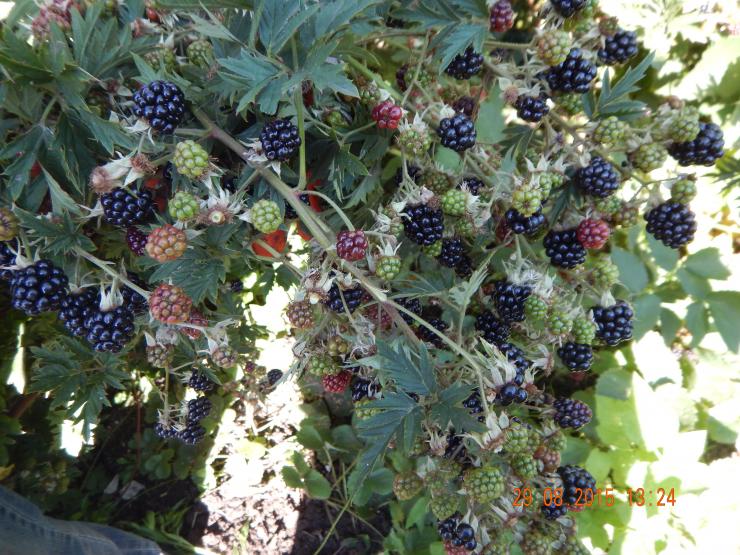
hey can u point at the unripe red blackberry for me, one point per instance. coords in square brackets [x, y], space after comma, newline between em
[387, 115]
[553, 47]
[160, 355]
[166, 243]
[196, 319]
[336, 383]
[136, 240]
[169, 304]
[593, 234]
[351, 245]
[300, 315]
[225, 357]
[502, 16]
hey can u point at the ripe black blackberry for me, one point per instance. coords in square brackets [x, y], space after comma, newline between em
[516, 356]
[464, 267]
[575, 478]
[465, 105]
[38, 288]
[362, 388]
[452, 252]
[529, 225]
[598, 179]
[567, 8]
[553, 511]
[76, 308]
[571, 413]
[413, 171]
[200, 382]
[273, 376]
[511, 393]
[457, 132]
[136, 302]
[576, 356]
[192, 434]
[704, 150]
[109, 330]
[447, 528]
[423, 224]
[618, 48]
[613, 323]
[465, 65]
[531, 108]
[473, 184]
[465, 537]
[563, 248]
[574, 75]
[165, 432]
[7, 258]
[425, 334]
[280, 140]
[136, 240]
[161, 104]
[455, 448]
[352, 297]
[509, 300]
[124, 209]
[474, 405]
[401, 77]
[492, 329]
[412, 305]
[671, 223]
[236, 286]
[198, 409]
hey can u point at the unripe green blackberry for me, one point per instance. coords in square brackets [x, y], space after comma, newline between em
[610, 131]
[334, 119]
[465, 227]
[387, 267]
[498, 546]
[484, 484]
[559, 323]
[433, 250]
[685, 126]
[627, 215]
[266, 216]
[649, 157]
[200, 53]
[407, 485]
[447, 469]
[549, 181]
[682, 191]
[526, 199]
[183, 206]
[572, 546]
[605, 273]
[161, 58]
[535, 308]
[444, 505]
[300, 314]
[414, 142]
[369, 92]
[224, 357]
[570, 103]
[363, 411]
[435, 181]
[553, 47]
[608, 206]
[190, 159]
[536, 542]
[524, 466]
[516, 439]
[556, 441]
[454, 201]
[322, 365]
[337, 346]
[160, 356]
[584, 330]
[8, 225]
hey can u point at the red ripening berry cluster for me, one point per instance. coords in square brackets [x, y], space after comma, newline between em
[351, 245]
[387, 114]
[593, 234]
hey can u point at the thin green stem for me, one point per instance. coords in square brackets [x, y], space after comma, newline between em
[336, 208]
[417, 70]
[298, 101]
[200, 133]
[277, 257]
[104, 266]
[48, 110]
[374, 76]
[359, 130]
[507, 45]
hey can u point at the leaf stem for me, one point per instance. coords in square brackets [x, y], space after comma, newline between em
[256, 16]
[104, 266]
[374, 76]
[336, 208]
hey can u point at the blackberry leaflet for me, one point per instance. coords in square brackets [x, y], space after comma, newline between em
[704, 150]
[492, 329]
[573, 75]
[352, 297]
[422, 224]
[531, 108]
[528, 225]
[575, 478]
[280, 140]
[466, 65]
[198, 409]
[123, 209]
[618, 48]
[38, 288]
[671, 223]
[571, 413]
[452, 252]
[598, 179]
[200, 382]
[613, 323]
[576, 356]
[509, 300]
[563, 248]
[76, 308]
[457, 132]
[161, 104]
[110, 330]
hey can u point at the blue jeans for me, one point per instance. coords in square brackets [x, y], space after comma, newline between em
[25, 531]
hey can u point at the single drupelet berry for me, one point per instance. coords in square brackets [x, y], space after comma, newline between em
[75, 309]
[200, 53]
[502, 16]
[598, 179]
[571, 413]
[351, 245]
[567, 8]
[110, 330]
[535, 308]
[576, 356]
[704, 150]
[553, 47]
[266, 216]
[528, 225]
[8, 225]
[465, 65]
[166, 243]
[610, 131]
[169, 304]
[190, 159]
[274, 376]
[583, 331]
[161, 104]
[457, 132]
[352, 297]
[198, 409]
[136, 240]
[553, 511]
[509, 300]
[300, 314]
[192, 435]
[464, 267]
[423, 224]
[406, 485]
[38, 288]
[159, 355]
[683, 191]
[451, 252]
[531, 108]
[574, 75]
[387, 115]
[563, 248]
[183, 206]
[280, 140]
[671, 223]
[491, 328]
[649, 157]
[163, 431]
[593, 234]
[387, 267]
[425, 334]
[484, 484]
[618, 48]
[124, 209]
[412, 305]
[336, 383]
[200, 382]
[225, 356]
[465, 105]
[575, 478]
[613, 323]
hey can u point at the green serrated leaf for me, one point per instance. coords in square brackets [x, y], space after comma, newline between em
[696, 322]
[706, 263]
[724, 306]
[414, 375]
[632, 272]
